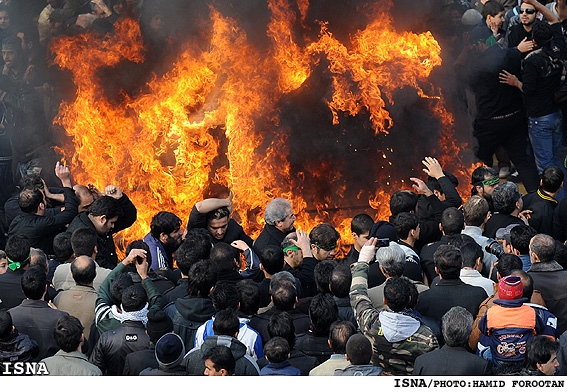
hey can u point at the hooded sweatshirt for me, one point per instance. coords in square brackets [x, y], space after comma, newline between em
[188, 314]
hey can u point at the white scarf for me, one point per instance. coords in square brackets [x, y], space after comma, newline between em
[137, 315]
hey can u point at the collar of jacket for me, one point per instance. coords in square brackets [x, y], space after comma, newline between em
[548, 266]
[545, 196]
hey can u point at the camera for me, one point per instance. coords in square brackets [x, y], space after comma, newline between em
[381, 242]
[139, 260]
[495, 248]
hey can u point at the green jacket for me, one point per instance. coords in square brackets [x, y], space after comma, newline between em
[397, 338]
[104, 319]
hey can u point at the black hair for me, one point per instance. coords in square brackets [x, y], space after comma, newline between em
[219, 213]
[403, 201]
[5, 323]
[83, 241]
[362, 223]
[542, 33]
[284, 294]
[196, 246]
[397, 294]
[281, 324]
[404, 222]
[67, 333]
[322, 275]
[62, 246]
[520, 237]
[223, 256]
[222, 358]
[106, 205]
[201, 278]
[139, 244]
[134, 298]
[249, 295]
[272, 259]
[505, 196]
[459, 240]
[34, 282]
[226, 323]
[324, 236]
[341, 279]
[527, 283]
[225, 296]
[479, 174]
[448, 261]
[434, 185]
[83, 274]
[359, 350]
[117, 287]
[277, 350]
[164, 222]
[452, 221]
[339, 334]
[508, 263]
[470, 253]
[551, 179]
[492, 8]
[18, 249]
[539, 351]
[29, 200]
[323, 311]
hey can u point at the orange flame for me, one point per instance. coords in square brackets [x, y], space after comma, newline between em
[160, 146]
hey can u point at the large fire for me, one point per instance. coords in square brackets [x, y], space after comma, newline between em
[162, 146]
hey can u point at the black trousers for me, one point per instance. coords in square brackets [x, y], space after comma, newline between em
[512, 134]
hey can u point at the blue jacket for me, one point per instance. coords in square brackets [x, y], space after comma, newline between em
[160, 258]
[280, 369]
[510, 325]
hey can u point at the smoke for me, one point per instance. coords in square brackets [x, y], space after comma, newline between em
[330, 164]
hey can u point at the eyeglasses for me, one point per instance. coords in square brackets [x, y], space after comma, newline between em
[491, 181]
[529, 11]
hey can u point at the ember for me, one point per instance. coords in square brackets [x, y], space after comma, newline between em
[307, 119]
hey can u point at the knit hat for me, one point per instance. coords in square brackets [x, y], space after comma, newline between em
[169, 351]
[158, 325]
[510, 287]
[471, 18]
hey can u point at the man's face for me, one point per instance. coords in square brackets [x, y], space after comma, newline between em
[210, 369]
[4, 20]
[11, 58]
[3, 265]
[360, 240]
[550, 367]
[286, 224]
[104, 225]
[218, 227]
[525, 16]
[495, 21]
[488, 185]
[173, 239]
[322, 254]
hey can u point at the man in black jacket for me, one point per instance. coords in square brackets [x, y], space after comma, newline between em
[279, 219]
[453, 359]
[113, 346]
[108, 215]
[33, 223]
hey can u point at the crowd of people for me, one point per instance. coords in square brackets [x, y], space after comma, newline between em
[450, 284]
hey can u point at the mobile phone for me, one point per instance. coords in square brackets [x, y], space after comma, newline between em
[380, 242]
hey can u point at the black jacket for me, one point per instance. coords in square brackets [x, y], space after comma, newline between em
[542, 206]
[451, 361]
[188, 314]
[441, 297]
[37, 320]
[297, 359]
[11, 293]
[18, 347]
[270, 235]
[426, 258]
[259, 322]
[106, 256]
[41, 230]
[305, 275]
[549, 278]
[175, 293]
[113, 346]
[139, 360]
[314, 346]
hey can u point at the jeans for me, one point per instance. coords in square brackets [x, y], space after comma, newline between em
[545, 136]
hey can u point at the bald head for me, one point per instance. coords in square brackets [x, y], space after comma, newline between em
[85, 197]
[83, 269]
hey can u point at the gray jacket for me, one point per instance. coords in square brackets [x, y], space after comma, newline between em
[70, 364]
[359, 370]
